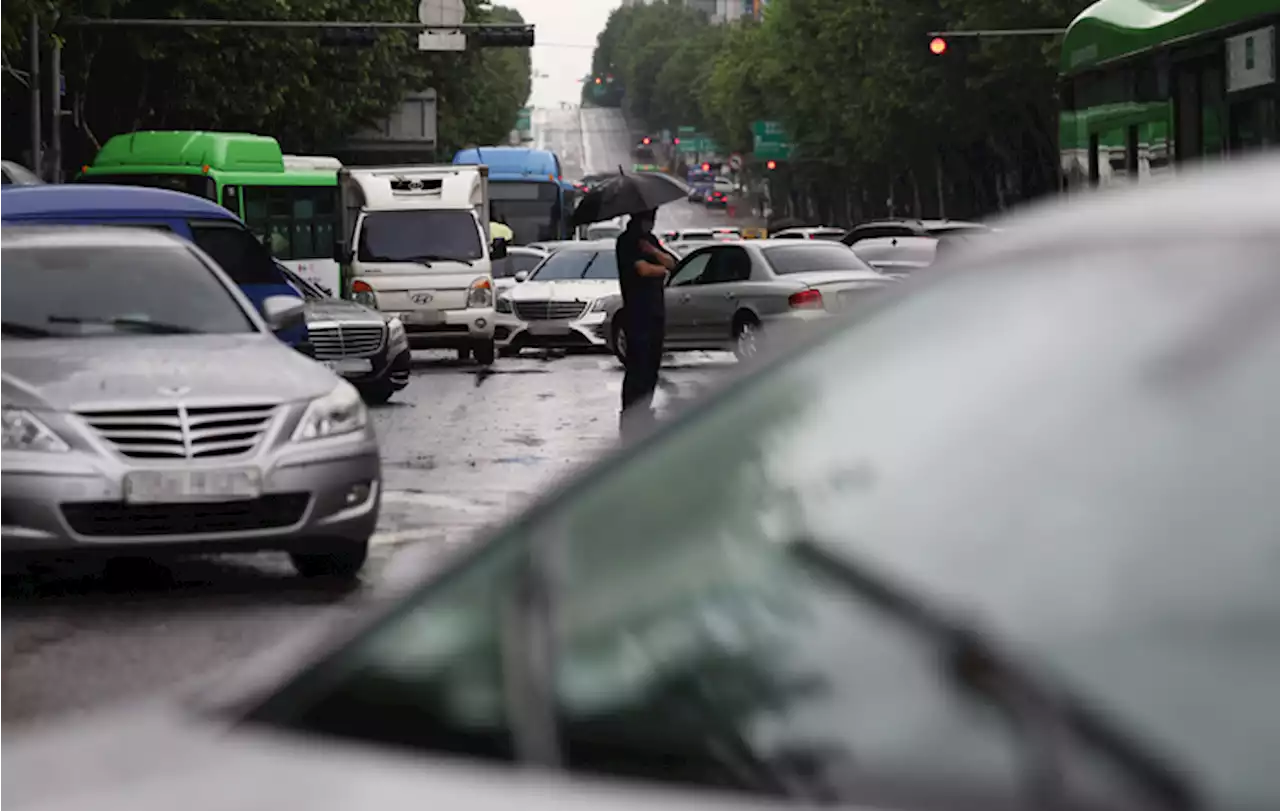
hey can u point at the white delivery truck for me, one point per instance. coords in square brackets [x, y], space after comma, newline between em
[415, 243]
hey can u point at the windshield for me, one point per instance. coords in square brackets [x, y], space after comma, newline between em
[1080, 524]
[421, 235]
[803, 258]
[643, 154]
[578, 265]
[199, 185]
[516, 262]
[75, 292]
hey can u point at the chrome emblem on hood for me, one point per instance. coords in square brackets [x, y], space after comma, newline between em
[420, 298]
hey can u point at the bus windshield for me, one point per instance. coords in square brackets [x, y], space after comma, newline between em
[532, 210]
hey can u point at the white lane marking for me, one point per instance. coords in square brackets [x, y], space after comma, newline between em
[393, 537]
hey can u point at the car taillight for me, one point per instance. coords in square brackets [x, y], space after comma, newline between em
[806, 300]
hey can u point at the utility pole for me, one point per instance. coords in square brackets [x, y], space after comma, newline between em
[37, 111]
[55, 106]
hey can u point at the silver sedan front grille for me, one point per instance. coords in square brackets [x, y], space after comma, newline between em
[182, 432]
[548, 310]
[333, 341]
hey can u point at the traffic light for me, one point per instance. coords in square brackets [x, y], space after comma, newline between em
[502, 36]
[676, 140]
[937, 46]
[706, 167]
[771, 165]
[647, 140]
[598, 80]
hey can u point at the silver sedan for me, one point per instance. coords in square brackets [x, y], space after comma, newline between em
[728, 295]
[149, 408]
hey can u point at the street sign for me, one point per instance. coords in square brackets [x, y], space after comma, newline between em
[771, 141]
[444, 13]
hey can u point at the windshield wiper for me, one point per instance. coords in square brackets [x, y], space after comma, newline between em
[427, 259]
[973, 660]
[16, 330]
[139, 324]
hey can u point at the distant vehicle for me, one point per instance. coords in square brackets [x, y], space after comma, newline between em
[415, 241]
[368, 348]
[289, 202]
[643, 159]
[900, 246]
[561, 303]
[725, 185]
[701, 183]
[729, 295]
[526, 190]
[716, 199]
[213, 229]
[695, 235]
[149, 410]
[604, 230]
[554, 245]
[727, 232]
[15, 174]
[824, 232]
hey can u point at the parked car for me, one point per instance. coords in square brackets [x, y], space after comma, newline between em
[214, 229]
[728, 295]
[953, 553]
[368, 348]
[149, 410]
[561, 303]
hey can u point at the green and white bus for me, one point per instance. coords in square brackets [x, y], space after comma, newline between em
[1148, 85]
[290, 202]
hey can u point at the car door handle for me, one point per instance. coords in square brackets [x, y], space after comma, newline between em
[729, 296]
[686, 298]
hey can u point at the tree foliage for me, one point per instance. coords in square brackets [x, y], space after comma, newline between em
[879, 124]
[295, 85]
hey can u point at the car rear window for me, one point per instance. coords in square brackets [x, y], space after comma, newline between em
[785, 259]
[243, 257]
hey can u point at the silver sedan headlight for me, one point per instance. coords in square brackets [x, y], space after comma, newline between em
[395, 330]
[341, 411]
[23, 431]
[504, 304]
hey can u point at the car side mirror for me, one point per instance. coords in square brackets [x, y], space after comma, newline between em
[521, 275]
[340, 253]
[283, 312]
[498, 249]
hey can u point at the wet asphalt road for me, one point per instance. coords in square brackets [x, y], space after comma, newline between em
[461, 449]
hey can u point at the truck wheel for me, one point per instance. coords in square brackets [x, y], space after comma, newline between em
[464, 353]
[485, 353]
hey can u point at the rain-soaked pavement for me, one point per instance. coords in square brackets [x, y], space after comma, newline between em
[461, 449]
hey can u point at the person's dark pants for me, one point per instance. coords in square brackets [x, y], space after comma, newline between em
[643, 362]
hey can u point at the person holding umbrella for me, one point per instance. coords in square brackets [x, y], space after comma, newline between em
[642, 272]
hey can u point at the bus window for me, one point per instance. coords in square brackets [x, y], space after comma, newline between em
[199, 185]
[295, 222]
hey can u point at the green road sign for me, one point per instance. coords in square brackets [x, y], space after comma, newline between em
[771, 141]
[693, 142]
[524, 119]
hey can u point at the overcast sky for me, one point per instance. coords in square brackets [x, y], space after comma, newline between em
[566, 34]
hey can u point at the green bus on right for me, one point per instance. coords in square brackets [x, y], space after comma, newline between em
[1148, 85]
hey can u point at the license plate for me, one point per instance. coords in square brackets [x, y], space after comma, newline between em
[168, 486]
[549, 328]
[350, 366]
[423, 317]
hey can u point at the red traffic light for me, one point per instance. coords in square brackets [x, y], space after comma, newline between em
[771, 165]
[676, 140]
[937, 46]
[598, 80]
[706, 167]
[646, 140]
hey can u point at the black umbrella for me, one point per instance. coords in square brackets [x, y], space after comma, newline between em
[628, 193]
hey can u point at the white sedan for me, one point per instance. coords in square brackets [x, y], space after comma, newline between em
[561, 303]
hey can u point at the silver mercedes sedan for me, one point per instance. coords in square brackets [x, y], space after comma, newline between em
[149, 409]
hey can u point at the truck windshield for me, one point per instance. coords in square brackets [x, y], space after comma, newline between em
[421, 235]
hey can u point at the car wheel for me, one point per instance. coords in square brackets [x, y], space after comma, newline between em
[464, 353]
[343, 562]
[509, 351]
[619, 342]
[746, 337]
[377, 392]
[485, 353]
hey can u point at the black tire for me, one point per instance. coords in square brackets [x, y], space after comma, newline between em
[464, 353]
[618, 339]
[378, 392]
[485, 353]
[509, 351]
[746, 336]
[341, 562]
